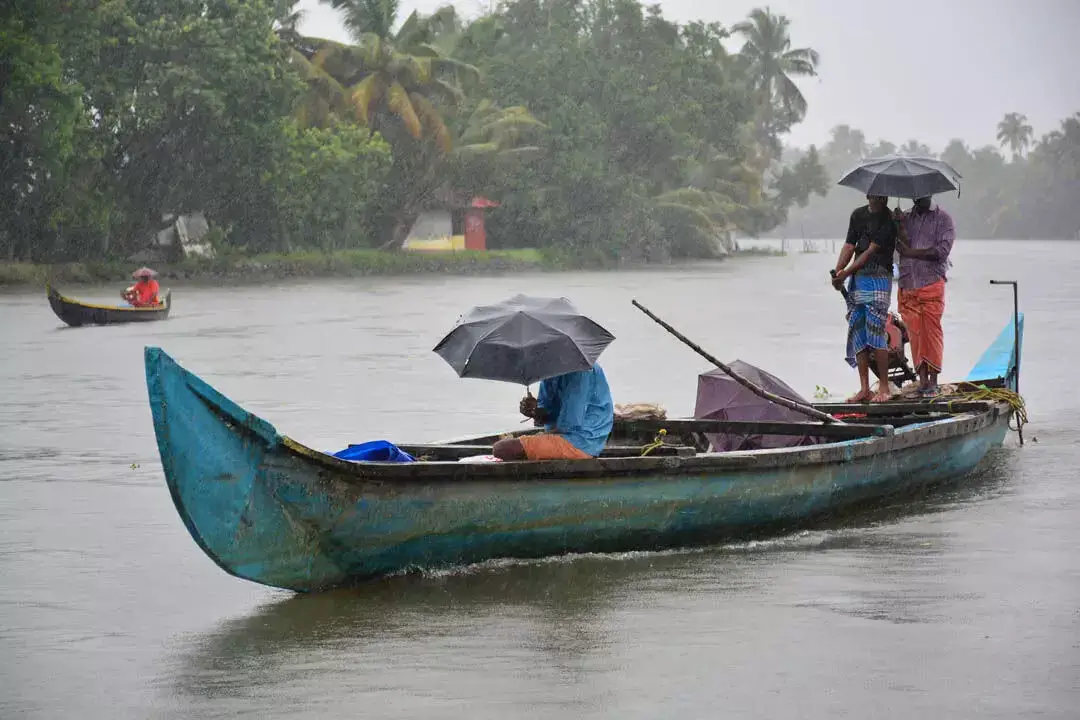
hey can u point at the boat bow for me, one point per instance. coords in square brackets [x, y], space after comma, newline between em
[219, 465]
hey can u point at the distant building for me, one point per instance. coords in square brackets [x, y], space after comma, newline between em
[454, 222]
[183, 236]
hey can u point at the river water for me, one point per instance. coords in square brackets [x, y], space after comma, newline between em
[961, 604]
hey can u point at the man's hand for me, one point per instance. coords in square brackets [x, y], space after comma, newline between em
[528, 407]
[838, 278]
[915, 253]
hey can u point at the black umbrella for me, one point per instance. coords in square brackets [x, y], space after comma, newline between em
[523, 340]
[902, 176]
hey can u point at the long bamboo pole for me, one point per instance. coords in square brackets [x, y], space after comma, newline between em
[757, 390]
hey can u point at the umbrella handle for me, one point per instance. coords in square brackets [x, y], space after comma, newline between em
[528, 394]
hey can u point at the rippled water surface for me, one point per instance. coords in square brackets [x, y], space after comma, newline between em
[961, 604]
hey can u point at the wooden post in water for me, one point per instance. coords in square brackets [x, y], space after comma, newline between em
[759, 391]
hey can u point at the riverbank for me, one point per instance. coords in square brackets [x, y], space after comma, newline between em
[283, 266]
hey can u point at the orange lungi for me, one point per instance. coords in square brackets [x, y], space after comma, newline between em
[921, 310]
[549, 446]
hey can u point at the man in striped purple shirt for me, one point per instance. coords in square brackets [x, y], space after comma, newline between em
[926, 239]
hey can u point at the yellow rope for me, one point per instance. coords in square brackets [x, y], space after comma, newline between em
[998, 395]
[658, 441]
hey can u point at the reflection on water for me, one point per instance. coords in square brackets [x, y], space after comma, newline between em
[959, 604]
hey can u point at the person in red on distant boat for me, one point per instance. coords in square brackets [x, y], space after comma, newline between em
[144, 293]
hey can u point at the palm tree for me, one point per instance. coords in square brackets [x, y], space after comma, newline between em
[495, 131]
[697, 222]
[847, 147]
[721, 193]
[1015, 132]
[772, 63]
[389, 81]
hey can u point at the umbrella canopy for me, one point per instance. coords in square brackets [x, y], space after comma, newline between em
[523, 340]
[721, 398]
[902, 176]
[144, 272]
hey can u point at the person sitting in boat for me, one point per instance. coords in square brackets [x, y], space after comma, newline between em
[144, 293]
[577, 414]
[899, 369]
[897, 333]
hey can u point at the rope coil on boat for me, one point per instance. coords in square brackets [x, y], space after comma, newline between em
[999, 395]
[658, 441]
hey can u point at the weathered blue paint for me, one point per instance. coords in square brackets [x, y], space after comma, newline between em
[1002, 358]
[270, 510]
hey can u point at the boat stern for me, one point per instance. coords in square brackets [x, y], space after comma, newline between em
[1001, 361]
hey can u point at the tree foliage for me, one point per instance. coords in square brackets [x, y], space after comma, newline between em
[325, 181]
[39, 120]
[650, 151]
[1015, 133]
[604, 130]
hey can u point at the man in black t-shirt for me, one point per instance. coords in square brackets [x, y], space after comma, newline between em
[867, 259]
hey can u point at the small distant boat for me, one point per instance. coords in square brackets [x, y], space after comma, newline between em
[77, 313]
[268, 509]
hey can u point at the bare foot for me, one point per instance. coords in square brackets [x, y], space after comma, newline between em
[882, 395]
[859, 397]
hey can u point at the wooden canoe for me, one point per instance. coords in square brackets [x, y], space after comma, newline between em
[77, 313]
[268, 509]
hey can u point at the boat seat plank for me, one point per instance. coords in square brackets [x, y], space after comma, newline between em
[842, 431]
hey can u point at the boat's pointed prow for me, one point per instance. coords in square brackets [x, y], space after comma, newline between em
[217, 458]
[158, 362]
[1001, 361]
[167, 381]
[154, 355]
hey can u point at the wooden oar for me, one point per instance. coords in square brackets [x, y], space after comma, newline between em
[759, 391]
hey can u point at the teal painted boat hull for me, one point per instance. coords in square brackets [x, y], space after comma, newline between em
[268, 509]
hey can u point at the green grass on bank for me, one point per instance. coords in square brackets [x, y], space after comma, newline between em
[301, 264]
[279, 266]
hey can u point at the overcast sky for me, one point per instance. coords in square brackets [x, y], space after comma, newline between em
[930, 70]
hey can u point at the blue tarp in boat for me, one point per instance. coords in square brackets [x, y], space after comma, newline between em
[374, 451]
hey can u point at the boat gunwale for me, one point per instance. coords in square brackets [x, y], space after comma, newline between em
[764, 459]
[965, 417]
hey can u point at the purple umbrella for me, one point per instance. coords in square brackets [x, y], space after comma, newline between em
[721, 398]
